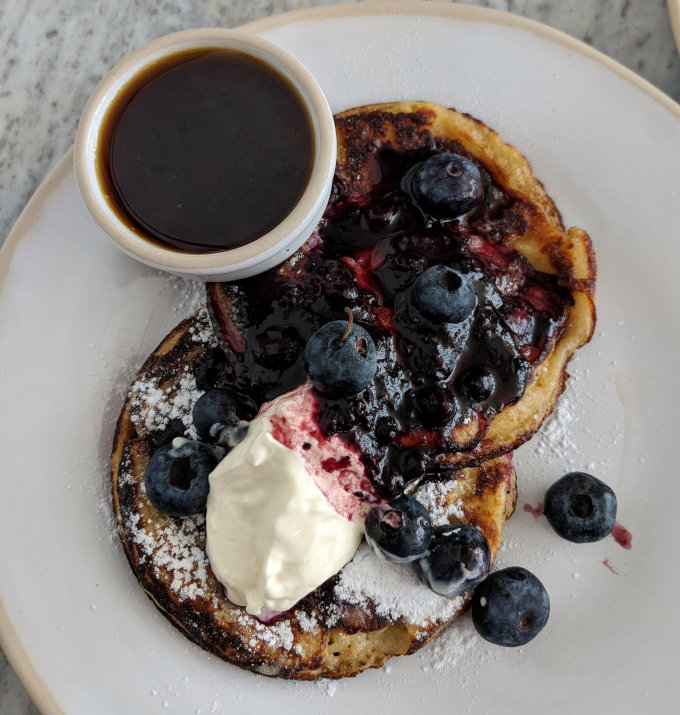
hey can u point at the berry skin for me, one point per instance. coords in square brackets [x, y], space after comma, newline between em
[220, 408]
[458, 558]
[339, 365]
[444, 294]
[176, 477]
[510, 607]
[580, 508]
[399, 531]
[230, 436]
[445, 186]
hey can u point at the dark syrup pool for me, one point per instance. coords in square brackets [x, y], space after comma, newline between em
[206, 150]
[430, 380]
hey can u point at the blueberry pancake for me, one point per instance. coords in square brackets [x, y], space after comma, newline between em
[443, 259]
[358, 619]
[423, 196]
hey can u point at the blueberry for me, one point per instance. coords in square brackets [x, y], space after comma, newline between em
[219, 408]
[478, 383]
[580, 508]
[444, 294]
[383, 217]
[458, 558]
[431, 406]
[510, 607]
[340, 358]
[445, 186]
[399, 531]
[386, 429]
[231, 435]
[176, 477]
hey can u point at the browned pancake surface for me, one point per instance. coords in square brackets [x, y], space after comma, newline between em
[371, 611]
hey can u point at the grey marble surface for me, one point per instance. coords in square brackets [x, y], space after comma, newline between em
[55, 51]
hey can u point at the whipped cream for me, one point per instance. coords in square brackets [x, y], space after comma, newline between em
[286, 507]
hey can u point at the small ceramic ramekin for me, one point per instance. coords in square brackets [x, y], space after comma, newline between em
[259, 255]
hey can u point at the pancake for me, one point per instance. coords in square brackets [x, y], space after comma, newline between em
[423, 426]
[535, 281]
[369, 612]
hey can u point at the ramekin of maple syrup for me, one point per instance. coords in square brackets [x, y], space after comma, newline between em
[207, 153]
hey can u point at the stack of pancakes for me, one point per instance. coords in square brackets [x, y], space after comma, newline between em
[371, 610]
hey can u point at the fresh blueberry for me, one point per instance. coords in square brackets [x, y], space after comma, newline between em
[510, 607]
[400, 530]
[176, 477]
[231, 435]
[219, 408]
[580, 508]
[340, 358]
[444, 294]
[458, 558]
[445, 186]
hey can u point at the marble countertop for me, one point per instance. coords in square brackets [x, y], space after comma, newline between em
[55, 52]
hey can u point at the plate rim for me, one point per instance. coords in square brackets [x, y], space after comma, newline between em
[12, 647]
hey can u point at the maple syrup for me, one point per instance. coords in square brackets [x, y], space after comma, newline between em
[206, 150]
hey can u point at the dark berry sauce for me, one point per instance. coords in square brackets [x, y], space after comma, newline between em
[535, 511]
[438, 384]
[622, 536]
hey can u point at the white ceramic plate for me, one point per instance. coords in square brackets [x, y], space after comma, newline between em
[77, 318]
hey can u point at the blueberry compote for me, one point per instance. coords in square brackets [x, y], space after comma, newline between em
[438, 383]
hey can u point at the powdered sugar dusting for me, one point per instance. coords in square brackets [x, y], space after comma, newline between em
[451, 645]
[277, 635]
[175, 548]
[155, 407]
[327, 686]
[567, 441]
[393, 589]
[433, 496]
[188, 294]
[554, 440]
[307, 623]
[202, 332]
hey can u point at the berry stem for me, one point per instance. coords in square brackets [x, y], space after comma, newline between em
[350, 321]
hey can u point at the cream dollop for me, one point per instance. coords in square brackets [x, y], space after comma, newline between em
[272, 535]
